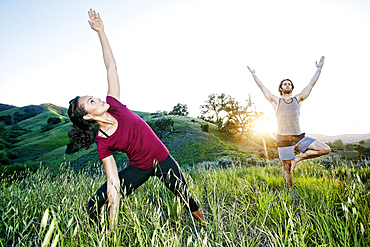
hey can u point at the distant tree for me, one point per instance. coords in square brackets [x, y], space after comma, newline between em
[330, 144]
[229, 128]
[4, 159]
[4, 107]
[240, 118]
[205, 127]
[360, 151]
[350, 147]
[71, 148]
[367, 153]
[12, 154]
[362, 142]
[180, 110]
[7, 119]
[29, 111]
[215, 104]
[162, 126]
[54, 120]
[338, 144]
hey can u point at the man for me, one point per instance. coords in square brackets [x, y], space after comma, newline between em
[289, 135]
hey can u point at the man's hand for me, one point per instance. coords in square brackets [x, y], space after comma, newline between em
[321, 63]
[95, 22]
[251, 70]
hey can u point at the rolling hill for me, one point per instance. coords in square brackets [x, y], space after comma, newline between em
[31, 141]
[348, 138]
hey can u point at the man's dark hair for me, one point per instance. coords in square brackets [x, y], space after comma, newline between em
[281, 84]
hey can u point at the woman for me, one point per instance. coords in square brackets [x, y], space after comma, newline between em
[122, 130]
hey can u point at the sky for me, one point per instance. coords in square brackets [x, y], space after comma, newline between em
[172, 51]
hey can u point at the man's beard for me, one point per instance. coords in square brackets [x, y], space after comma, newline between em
[287, 91]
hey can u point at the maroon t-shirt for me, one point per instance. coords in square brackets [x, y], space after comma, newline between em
[133, 137]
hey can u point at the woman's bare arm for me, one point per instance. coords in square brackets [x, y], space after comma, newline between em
[113, 187]
[96, 24]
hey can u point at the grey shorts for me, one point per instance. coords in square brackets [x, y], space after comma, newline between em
[287, 153]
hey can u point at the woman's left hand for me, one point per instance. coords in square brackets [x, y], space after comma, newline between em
[95, 21]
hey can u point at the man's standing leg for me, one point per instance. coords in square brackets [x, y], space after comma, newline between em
[287, 175]
[286, 155]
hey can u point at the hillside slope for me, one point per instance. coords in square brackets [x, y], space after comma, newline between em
[32, 141]
[349, 138]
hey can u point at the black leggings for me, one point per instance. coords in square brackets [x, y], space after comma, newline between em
[168, 171]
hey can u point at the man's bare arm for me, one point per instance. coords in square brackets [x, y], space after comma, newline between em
[307, 90]
[273, 99]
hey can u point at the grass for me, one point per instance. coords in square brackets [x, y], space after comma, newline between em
[243, 205]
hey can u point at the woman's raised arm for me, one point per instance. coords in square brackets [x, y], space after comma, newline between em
[96, 24]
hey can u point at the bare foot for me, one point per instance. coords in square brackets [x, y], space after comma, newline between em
[293, 163]
[199, 216]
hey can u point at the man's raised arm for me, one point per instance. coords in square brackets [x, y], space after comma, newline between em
[273, 99]
[307, 90]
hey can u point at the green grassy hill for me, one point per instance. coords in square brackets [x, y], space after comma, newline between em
[34, 142]
[365, 143]
[29, 136]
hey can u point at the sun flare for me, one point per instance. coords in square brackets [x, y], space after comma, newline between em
[265, 125]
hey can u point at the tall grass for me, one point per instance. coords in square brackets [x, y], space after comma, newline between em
[244, 206]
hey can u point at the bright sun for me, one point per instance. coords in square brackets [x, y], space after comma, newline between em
[265, 125]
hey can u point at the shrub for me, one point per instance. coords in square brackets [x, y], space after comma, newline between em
[205, 127]
[7, 119]
[180, 110]
[54, 120]
[161, 126]
[4, 159]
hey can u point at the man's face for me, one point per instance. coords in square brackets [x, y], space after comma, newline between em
[287, 87]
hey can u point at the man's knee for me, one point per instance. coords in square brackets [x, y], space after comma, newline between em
[320, 147]
[286, 164]
[325, 149]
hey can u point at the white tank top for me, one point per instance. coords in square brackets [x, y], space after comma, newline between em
[287, 116]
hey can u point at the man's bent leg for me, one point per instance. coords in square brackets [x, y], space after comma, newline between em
[287, 175]
[316, 149]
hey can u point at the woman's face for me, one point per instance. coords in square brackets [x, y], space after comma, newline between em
[94, 106]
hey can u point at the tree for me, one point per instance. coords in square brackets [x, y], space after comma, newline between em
[360, 151]
[350, 147]
[180, 110]
[338, 144]
[215, 104]
[240, 118]
[162, 127]
[54, 120]
[4, 159]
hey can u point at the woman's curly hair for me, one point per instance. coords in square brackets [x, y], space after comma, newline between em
[81, 134]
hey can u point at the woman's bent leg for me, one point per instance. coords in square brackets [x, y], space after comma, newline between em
[130, 178]
[169, 172]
